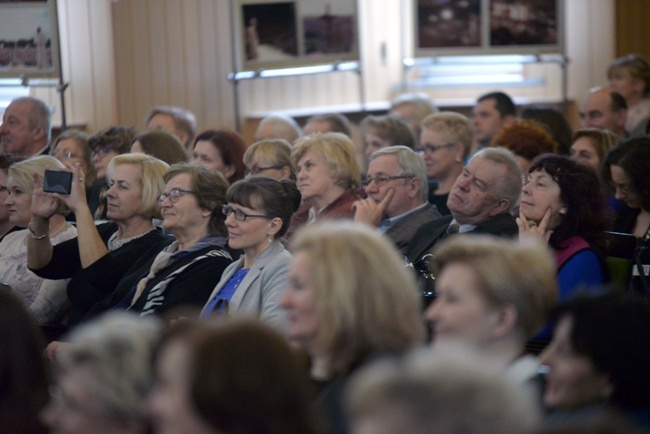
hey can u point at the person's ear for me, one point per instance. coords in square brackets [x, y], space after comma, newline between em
[275, 224]
[286, 172]
[414, 187]
[505, 321]
[229, 171]
[501, 207]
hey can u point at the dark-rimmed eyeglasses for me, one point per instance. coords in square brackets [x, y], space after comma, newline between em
[380, 180]
[102, 151]
[173, 195]
[258, 170]
[239, 214]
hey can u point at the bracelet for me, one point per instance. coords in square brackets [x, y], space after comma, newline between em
[34, 235]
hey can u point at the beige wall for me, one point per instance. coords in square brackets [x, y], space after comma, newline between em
[123, 57]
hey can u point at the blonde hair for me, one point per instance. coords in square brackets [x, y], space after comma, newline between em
[152, 182]
[517, 273]
[276, 151]
[23, 171]
[339, 153]
[368, 303]
[455, 127]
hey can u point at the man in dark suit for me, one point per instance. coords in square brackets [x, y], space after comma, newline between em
[480, 201]
[397, 191]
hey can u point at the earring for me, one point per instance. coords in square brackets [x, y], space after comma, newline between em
[562, 211]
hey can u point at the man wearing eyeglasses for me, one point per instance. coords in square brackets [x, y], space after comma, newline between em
[26, 127]
[397, 195]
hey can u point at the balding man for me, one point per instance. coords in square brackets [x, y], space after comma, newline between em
[26, 127]
[604, 109]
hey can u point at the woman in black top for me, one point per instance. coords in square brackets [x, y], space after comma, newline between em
[100, 255]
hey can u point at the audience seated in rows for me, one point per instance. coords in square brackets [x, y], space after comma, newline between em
[397, 188]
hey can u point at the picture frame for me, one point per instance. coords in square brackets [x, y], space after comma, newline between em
[29, 39]
[276, 34]
[487, 27]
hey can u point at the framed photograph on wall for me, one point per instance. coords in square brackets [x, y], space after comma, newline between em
[29, 40]
[475, 27]
[276, 34]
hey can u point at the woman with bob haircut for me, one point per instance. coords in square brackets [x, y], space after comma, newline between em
[221, 150]
[626, 170]
[598, 358]
[560, 205]
[271, 157]
[329, 178]
[103, 377]
[161, 145]
[22, 368]
[493, 296]
[184, 272]
[349, 300]
[445, 141]
[233, 377]
[630, 76]
[45, 299]
[99, 256]
[257, 216]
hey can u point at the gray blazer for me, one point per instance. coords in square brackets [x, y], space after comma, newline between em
[259, 293]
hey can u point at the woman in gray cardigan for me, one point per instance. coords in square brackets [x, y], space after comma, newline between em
[257, 216]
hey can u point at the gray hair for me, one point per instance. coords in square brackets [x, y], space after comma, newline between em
[40, 115]
[410, 163]
[431, 392]
[509, 187]
[284, 127]
[184, 120]
[116, 351]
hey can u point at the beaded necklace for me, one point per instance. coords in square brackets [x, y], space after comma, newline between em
[114, 244]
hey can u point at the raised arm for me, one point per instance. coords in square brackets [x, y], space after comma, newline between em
[39, 247]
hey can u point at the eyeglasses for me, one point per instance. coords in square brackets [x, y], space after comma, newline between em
[383, 179]
[238, 214]
[102, 151]
[64, 155]
[430, 149]
[258, 170]
[173, 195]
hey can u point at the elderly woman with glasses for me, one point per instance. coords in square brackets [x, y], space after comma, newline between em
[184, 273]
[257, 216]
[271, 157]
[99, 256]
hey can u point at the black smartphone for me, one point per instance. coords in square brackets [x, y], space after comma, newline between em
[56, 181]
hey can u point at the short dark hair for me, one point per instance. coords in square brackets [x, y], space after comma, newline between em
[231, 147]
[585, 215]
[163, 146]
[612, 329]
[117, 138]
[618, 101]
[633, 156]
[275, 198]
[184, 120]
[503, 103]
